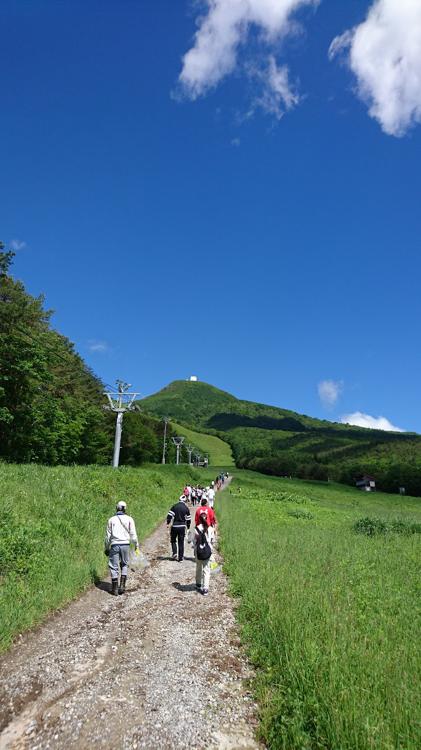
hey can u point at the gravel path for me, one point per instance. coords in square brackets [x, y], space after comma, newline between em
[158, 668]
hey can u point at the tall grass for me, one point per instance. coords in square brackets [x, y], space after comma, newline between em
[52, 526]
[331, 617]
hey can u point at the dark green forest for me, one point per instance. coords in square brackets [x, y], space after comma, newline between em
[51, 403]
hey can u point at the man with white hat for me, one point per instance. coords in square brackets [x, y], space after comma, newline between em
[120, 532]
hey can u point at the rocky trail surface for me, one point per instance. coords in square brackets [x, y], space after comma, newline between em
[160, 667]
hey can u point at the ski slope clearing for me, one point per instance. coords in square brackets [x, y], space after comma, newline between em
[220, 453]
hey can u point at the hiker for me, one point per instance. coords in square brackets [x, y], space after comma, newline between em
[120, 531]
[211, 496]
[203, 542]
[209, 513]
[180, 518]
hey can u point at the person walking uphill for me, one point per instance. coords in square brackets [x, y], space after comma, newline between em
[179, 516]
[204, 536]
[120, 531]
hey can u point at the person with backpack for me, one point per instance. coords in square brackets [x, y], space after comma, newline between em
[209, 513]
[203, 542]
[180, 518]
[120, 531]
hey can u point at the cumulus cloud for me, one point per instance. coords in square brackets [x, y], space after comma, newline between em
[17, 245]
[98, 347]
[329, 391]
[223, 30]
[358, 419]
[384, 53]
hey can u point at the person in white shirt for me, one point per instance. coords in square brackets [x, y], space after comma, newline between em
[120, 532]
[211, 496]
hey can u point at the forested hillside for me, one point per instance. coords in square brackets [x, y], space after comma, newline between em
[51, 403]
[282, 442]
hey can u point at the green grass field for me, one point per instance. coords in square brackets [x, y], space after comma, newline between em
[331, 617]
[220, 453]
[52, 529]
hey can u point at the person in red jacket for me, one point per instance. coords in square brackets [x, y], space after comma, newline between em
[210, 513]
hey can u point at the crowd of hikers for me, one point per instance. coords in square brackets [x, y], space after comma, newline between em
[121, 533]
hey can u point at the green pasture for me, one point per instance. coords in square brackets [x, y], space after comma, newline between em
[220, 453]
[331, 617]
[52, 528]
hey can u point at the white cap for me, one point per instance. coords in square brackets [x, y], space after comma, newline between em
[121, 505]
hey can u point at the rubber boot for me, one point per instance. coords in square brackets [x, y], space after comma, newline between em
[114, 587]
[122, 588]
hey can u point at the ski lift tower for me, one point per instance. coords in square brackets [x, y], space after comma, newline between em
[119, 402]
[189, 449]
[178, 442]
[164, 449]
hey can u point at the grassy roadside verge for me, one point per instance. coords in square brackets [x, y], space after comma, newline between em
[52, 528]
[330, 617]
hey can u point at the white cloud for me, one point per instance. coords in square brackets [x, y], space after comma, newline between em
[384, 53]
[329, 391]
[277, 95]
[98, 347]
[224, 30]
[17, 245]
[358, 419]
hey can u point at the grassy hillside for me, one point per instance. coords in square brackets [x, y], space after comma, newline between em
[220, 453]
[330, 610]
[281, 442]
[44, 560]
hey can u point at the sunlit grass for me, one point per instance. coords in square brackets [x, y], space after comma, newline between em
[220, 453]
[331, 617]
[52, 530]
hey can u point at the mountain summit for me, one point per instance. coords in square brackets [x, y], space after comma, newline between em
[283, 442]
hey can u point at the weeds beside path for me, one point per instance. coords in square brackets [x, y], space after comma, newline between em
[158, 668]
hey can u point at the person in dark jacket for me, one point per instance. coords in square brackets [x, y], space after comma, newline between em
[180, 518]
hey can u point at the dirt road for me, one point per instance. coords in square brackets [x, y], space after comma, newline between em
[158, 668]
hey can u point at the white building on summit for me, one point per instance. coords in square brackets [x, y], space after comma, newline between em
[193, 378]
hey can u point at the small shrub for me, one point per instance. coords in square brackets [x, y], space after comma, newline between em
[301, 514]
[375, 526]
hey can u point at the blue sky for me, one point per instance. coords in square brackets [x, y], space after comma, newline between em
[249, 213]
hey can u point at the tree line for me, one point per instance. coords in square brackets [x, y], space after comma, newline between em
[51, 403]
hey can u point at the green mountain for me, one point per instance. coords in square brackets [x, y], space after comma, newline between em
[282, 442]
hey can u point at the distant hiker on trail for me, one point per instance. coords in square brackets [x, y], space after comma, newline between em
[120, 531]
[209, 513]
[211, 496]
[203, 541]
[179, 516]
